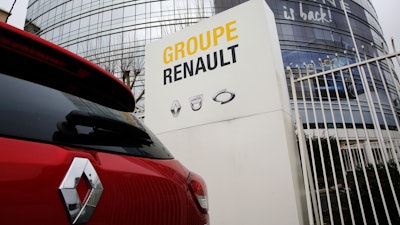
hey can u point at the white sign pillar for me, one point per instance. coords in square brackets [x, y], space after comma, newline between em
[216, 96]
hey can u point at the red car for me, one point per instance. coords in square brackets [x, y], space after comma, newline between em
[71, 152]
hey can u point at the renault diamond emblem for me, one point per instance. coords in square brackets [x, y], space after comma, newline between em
[175, 108]
[80, 211]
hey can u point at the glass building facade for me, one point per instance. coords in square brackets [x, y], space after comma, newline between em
[113, 33]
[315, 35]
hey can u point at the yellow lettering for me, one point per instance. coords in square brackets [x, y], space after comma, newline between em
[217, 33]
[229, 31]
[179, 48]
[202, 41]
[192, 45]
[207, 46]
[168, 55]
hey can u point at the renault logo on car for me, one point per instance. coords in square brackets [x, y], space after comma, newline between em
[80, 212]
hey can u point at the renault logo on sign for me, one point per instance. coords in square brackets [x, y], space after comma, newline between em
[80, 212]
[175, 108]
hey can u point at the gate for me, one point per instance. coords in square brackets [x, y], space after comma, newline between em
[347, 123]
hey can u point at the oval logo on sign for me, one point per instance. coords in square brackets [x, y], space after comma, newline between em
[224, 96]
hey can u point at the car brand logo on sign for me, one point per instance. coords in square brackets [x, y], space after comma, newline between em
[213, 69]
[80, 212]
[176, 108]
[224, 96]
[196, 102]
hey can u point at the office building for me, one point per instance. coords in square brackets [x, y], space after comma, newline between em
[113, 34]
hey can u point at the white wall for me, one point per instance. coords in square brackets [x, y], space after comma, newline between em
[245, 149]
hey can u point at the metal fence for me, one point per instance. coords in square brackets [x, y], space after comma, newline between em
[347, 123]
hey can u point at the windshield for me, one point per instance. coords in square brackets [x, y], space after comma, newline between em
[34, 112]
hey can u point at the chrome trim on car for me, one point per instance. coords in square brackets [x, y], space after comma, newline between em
[80, 212]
